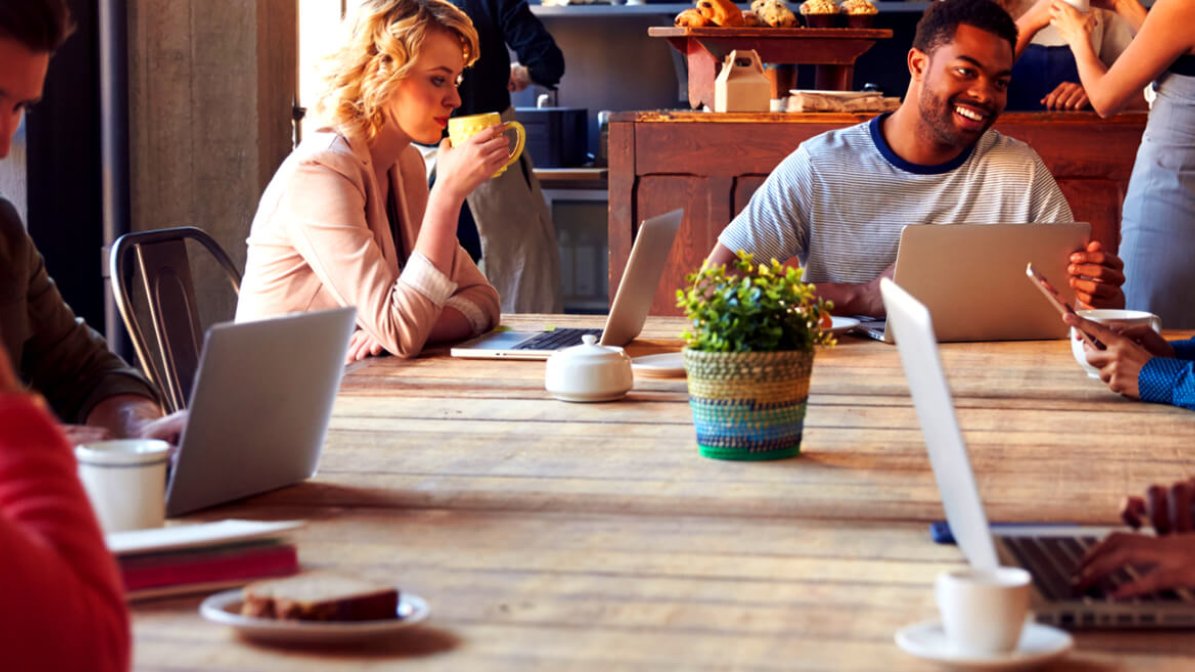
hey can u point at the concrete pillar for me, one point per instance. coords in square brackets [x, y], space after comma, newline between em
[211, 89]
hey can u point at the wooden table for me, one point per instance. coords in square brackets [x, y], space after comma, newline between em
[556, 536]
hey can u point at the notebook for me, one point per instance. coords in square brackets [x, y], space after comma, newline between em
[628, 312]
[969, 275]
[1050, 553]
[260, 407]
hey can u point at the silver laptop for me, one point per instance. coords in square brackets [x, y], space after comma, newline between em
[1050, 553]
[259, 407]
[628, 312]
[970, 277]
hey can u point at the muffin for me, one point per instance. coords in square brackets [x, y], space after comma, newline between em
[820, 13]
[859, 13]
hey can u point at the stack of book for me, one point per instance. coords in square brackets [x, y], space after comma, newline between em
[203, 557]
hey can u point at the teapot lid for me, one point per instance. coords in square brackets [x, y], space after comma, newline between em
[590, 352]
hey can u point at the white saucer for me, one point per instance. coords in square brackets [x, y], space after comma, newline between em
[1039, 644]
[841, 325]
[665, 365]
[225, 608]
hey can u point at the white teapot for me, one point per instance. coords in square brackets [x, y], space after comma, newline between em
[589, 372]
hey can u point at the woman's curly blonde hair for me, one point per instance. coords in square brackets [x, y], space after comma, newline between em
[385, 38]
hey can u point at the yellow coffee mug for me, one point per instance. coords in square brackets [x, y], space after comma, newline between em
[461, 129]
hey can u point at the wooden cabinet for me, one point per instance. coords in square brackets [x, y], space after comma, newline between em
[710, 164]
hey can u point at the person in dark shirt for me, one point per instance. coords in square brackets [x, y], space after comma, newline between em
[506, 222]
[94, 392]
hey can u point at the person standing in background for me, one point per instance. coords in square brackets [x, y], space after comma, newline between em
[508, 213]
[1158, 222]
[1045, 76]
[94, 392]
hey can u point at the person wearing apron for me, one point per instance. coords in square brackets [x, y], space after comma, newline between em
[515, 237]
[1158, 226]
[1045, 76]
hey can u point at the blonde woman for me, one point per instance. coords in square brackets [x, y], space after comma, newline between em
[348, 218]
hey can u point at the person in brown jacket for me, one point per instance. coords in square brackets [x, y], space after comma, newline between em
[348, 219]
[90, 389]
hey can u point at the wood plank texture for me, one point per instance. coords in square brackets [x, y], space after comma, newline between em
[555, 536]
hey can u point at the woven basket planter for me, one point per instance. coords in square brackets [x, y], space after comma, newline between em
[748, 405]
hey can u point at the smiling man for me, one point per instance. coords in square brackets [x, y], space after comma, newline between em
[838, 202]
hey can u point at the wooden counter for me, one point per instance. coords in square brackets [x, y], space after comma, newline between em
[711, 164]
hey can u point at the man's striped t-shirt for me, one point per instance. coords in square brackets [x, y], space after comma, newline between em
[839, 201]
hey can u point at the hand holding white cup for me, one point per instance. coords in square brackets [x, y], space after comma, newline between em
[983, 610]
[1116, 319]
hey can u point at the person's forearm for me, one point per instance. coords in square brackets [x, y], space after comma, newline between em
[124, 415]
[1028, 25]
[452, 325]
[437, 236]
[1091, 73]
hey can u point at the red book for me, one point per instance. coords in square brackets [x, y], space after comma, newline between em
[196, 570]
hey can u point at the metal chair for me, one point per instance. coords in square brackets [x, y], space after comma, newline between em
[165, 270]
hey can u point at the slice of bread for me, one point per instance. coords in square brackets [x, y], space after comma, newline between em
[320, 596]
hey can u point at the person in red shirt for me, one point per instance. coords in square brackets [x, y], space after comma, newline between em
[63, 606]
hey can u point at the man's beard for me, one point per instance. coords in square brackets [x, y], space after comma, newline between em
[938, 117]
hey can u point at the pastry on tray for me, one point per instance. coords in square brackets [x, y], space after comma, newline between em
[774, 13]
[820, 13]
[859, 13]
[690, 18]
[720, 12]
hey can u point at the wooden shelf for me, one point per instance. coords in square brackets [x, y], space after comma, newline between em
[832, 52]
[672, 9]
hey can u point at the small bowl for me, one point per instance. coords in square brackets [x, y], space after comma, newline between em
[860, 20]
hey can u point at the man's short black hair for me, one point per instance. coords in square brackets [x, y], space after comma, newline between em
[943, 17]
[40, 25]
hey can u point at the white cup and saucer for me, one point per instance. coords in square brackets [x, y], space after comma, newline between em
[985, 625]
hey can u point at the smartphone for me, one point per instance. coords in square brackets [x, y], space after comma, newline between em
[1063, 307]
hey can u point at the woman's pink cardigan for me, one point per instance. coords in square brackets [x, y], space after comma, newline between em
[321, 239]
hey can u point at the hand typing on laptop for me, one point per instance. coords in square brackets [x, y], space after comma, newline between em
[1168, 559]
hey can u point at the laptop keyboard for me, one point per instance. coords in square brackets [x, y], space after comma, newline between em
[557, 339]
[1054, 561]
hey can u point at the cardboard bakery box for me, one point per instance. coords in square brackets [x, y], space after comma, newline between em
[742, 86]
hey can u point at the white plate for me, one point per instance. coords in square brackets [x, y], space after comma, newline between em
[1039, 644]
[665, 365]
[225, 608]
[841, 325]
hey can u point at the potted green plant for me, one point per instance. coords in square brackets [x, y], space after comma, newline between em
[749, 356]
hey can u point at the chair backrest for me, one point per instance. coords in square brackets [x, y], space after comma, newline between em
[160, 258]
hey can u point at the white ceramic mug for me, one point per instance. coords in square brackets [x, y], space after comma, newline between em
[983, 610]
[1081, 5]
[125, 481]
[1112, 317]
